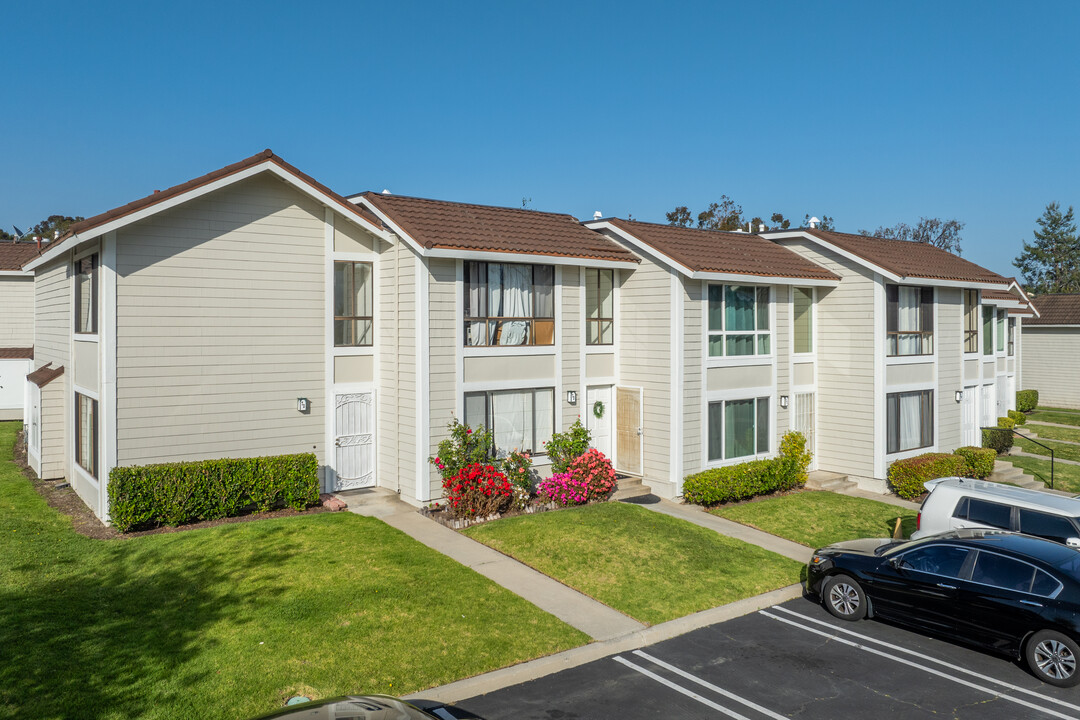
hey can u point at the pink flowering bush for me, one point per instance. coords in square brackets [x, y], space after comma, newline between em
[593, 469]
[564, 489]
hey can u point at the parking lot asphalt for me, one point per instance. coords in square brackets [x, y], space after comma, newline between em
[788, 661]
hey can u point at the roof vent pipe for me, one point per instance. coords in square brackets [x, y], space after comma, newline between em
[761, 227]
[597, 215]
[386, 192]
[814, 222]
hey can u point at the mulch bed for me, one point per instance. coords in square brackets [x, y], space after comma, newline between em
[83, 521]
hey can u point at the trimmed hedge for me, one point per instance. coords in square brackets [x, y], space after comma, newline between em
[906, 477]
[1006, 422]
[1018, 417]
[1027, 400]
[1000, 439]
[979, 462]
[175, 493]
[750, 479]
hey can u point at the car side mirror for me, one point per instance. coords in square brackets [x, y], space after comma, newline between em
[1073, 542]
[895, 562]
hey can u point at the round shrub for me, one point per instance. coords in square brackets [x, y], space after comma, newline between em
[478, 490]
[1027, 400]
[564, 489]
[1006, 422]
[906, 477]
[1000, 439]
[1018, 417]
[979, 462]
[594, 469]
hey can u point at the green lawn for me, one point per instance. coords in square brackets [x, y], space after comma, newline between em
[1052, 432]
[1051, 416]
[650, 566]
[1073, 411]
[1061, 450]
[226, 622]
[1066, 477]
[816, 519]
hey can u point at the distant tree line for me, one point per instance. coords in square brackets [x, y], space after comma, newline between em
[47, 229]
[1050, 263]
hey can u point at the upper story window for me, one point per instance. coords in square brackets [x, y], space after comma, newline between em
[1001, 330]
[86, 294]
[599, 306]
[909, 320]
[353, 301]
[509, 304]
[738, 320]
[803, 319]
[988, 330]
[971, 321]
[1012, 336]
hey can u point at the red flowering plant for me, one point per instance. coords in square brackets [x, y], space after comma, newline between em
[464, 446]
[594, 470]
[477, 490]
[517, 465]
[564, 489]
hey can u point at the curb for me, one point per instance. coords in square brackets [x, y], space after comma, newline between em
[540, 667]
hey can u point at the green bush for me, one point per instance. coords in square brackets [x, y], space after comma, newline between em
[175, 493]
[564, 448]
[465, 446]
[979, 462]
[906, 477]
[750, 479]
[1006, 422]
[1000, 439]
[1018, 417]
[1027, 400]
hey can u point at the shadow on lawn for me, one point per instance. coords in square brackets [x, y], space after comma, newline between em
[122, 636]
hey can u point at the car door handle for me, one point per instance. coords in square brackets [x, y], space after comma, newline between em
[947, 587]
[1032, 603]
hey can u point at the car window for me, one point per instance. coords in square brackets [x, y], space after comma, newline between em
[1052, 527]
[989, 513]
[1044, 584]
[1002, 572]
[936, 559]
[961, 510]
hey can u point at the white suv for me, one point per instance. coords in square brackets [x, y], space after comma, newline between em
[956, 502]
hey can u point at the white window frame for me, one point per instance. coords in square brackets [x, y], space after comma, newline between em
[978, 324]
[934, 399]
[728, 360]
[732, 395]
[587, 321]
[487, 391]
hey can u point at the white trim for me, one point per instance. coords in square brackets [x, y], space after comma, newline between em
[88, 337]
[459, 341]
[78, 469]
[16, 273]
[558, 339]
[678, 330]
[92, 394]
[508, 350]
[351, 256]
[880, 343]
[423, 379]
[107, 407]
[516, 384]
[329, 407]
[352, 351]
[1038, 325]
[725, 360]
[765, 279]
[728, 394]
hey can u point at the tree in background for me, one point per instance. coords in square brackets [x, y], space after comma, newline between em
[728, 215]
[944, 234]
[50, 228]
[826, 222]
[1051, 264]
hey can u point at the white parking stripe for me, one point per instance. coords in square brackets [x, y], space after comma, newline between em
[680, 689]
[710, 686]
[924, 668]
[929, 658]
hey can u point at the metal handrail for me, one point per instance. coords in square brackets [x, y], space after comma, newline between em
[1031, 439]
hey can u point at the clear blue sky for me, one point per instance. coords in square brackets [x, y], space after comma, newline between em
[869, 112]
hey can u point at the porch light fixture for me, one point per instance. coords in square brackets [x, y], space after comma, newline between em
[303, 405]
[571, 397]
[783, 401]
[959, 395]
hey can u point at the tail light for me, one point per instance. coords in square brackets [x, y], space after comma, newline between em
[918, 521]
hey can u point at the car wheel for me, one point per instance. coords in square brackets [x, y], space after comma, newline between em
[844, 598]
[1054, 658]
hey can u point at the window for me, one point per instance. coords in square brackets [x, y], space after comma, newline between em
[1003, 572]
[971, 321]
[738, 320]
[508, 304]
[984, 512]
[1001, 331]
[946, 560]
[803, 319]
[352, 304]
[910, 420]
[86, 429]
[1012, 336]
[1051, 527]
[599, 306]
[909, 320]
[1044, 584]
[988, 330]
[86, 293]
[519, 419]
[738, 428]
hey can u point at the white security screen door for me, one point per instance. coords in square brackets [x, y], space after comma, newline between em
[969, 412]
[598, 402]
[803, 421]
[354, 441]
[1002, 397]
[988, 404]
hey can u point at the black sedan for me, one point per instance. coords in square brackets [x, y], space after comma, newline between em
[371, 707]
[1009, 593]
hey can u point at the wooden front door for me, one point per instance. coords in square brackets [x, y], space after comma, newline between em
[628, 430]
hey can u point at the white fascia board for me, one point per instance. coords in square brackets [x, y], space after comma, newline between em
[765, 279]
[16, 273]
[642, 247]
[857, 259]
[1023, 295]
[1003, 303]
[491, 256]
[266, 165]
[1039, 326]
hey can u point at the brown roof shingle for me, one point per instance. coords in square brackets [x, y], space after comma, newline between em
[1060, 309]
[13, 255]
[909, 259]
[45, 374]
[723, 252]
[17, 353]
[486, 228]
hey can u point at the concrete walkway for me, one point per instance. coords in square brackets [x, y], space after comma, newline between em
[1043, 422]
[1022, 453]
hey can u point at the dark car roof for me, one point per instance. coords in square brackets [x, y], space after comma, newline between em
[1029, 547]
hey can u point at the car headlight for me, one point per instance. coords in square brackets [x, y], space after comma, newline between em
[816, 559]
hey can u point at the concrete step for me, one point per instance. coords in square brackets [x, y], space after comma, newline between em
[831, 481]
[1010, 474]
[630, 487]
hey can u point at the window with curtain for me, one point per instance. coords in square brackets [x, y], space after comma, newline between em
[909, 320]
[971, 321]
[1012, 336]
[86, 431]
[353, 302]
[988, 330]
[1001, 330]
[509, 304]
[599, 306]
[519, 419]
[738, 428]
[738, 317]
[86, 293]
[803, 319]
[909, 420]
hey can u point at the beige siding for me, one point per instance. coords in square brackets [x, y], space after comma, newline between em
[396, 347]
[693, 376]
[1049, 361]
[782, 340]
[442, 354]
[950, 367]
[570, 313]
[52, 313]
[16, 311]
[220, 327]
[845, 351]
[53, 416]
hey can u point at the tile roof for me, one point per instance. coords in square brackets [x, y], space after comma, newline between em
[485, 228]
[13, 255]
[17, 353]
[1060, 309]
[909, 259]
[159, 196]
[723, 252]
[1001, 295]
[45, 374]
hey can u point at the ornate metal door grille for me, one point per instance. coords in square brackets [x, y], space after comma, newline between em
[354, 441]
